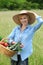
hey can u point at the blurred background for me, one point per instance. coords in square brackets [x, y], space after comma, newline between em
[20, 4]
[8, 8]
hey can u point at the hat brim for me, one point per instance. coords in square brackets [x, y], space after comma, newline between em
[31, 18]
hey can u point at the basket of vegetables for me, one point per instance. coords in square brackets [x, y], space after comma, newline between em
[9, 50]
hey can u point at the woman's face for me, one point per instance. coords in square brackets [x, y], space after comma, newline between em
[24, 19]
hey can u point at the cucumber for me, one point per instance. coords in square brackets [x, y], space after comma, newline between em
[15, 47]
[12, 46]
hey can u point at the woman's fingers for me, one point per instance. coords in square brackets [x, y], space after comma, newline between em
[13, 42]
[35, 14]
[21, 45]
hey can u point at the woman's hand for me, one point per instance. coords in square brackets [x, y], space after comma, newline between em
[36, 15]
[21, 45]
[13, 42]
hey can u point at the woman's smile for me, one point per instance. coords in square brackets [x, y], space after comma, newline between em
[24, 19]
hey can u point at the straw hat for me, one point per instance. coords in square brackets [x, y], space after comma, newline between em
[29, 13]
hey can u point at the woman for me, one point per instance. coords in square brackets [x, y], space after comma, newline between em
[24, 33]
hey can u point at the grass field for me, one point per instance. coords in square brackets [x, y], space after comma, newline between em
[6, 26]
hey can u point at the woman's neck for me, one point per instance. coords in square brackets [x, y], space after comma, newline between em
[23, 27]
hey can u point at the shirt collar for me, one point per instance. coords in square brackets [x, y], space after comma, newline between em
[26, 26]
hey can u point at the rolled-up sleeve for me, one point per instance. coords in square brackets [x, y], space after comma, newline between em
[11, 36]
[38, 25]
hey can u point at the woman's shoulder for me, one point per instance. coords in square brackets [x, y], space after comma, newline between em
[16, 27]
[29, 26]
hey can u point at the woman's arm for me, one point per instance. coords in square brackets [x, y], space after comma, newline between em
[11, 36]
[40, 22]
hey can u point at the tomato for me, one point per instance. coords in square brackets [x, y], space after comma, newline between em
[1, 42]
[5, 44]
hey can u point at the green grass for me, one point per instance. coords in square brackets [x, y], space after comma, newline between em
[6, 26]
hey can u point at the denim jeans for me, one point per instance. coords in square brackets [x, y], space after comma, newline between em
[19, 62]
